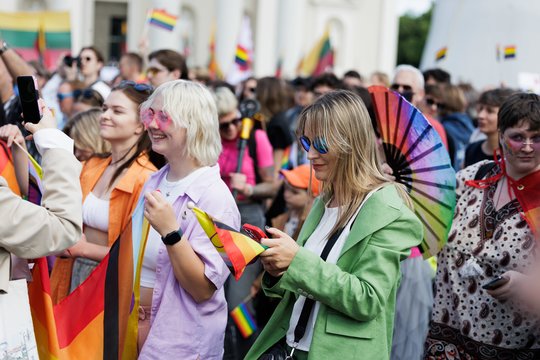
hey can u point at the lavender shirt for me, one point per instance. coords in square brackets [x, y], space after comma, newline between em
[181, 328]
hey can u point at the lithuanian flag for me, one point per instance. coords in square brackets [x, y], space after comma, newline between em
[319, 59]
[37, 35]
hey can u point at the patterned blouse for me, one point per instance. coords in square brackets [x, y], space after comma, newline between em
[467, 323]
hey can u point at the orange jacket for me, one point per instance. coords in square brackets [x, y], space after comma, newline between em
[123, 200]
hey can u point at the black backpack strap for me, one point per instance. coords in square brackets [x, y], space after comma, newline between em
[252, 148]
[484, 170]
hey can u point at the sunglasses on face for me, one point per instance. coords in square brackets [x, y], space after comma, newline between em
[225, 125]
[400, 87]
[138, 87]
[62, 96]
[85, 93]
[431, 102]
[518, 141]
[163, 121]
[319, 144]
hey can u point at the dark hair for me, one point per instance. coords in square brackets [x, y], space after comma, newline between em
[143, 144]
[353, 73]
[172, 60]
[275, 96]
[299, 82]
[214, 84]
[517, 108]
[366, 98]
[439, 75]
[88, 96]
[135, 58]
[99, 55]
[453, 99]
[327, 79]
[495, 97]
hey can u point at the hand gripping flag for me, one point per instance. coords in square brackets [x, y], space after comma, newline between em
[235, 248]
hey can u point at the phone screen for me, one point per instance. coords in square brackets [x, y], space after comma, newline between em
[28, 96]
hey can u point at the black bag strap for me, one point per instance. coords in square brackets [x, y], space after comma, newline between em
[483, 170]
[300, 328]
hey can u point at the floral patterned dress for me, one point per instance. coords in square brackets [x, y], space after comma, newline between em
[467, 323]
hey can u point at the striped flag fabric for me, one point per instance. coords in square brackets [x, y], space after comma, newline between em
[37, 35]
[441, 53]
[99, 319]
[320, 59]
[236, 249]
[7, 170]
[527, 190]
[162, 19]
[244, 320]
[510, 52]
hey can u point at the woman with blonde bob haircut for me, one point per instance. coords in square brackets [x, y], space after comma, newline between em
[83, 128]
[352, 242]
[182, 273]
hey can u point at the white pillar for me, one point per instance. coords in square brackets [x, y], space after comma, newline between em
[82, 24]
[228, 20]
[266, 38]
[291, 28]
[136, 24]
[388, 36]
[163, 39]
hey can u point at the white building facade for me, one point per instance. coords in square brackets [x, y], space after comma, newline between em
[363, 32]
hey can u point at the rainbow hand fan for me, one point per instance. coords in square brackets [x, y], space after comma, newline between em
[419, 160]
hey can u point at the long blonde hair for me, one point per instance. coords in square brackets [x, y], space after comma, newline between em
[83, 128]
[341, 118]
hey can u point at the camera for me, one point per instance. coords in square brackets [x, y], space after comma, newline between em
[69, 60]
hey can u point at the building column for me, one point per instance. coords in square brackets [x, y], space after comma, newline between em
[266, 56]
[388, 36]
[291, 30]
[228, 20]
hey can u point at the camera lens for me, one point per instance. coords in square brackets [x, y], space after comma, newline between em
[68, 60]
[78, 59]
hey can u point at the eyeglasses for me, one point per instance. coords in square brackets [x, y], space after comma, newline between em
[62, 96]
[138, 87]
[319, 144]
[153, 71]
[397, 87]
[163, 120]
[84, 93]
[225, 125]
[431, 102]
[518, 141]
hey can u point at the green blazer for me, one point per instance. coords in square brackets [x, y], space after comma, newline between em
[358, 294]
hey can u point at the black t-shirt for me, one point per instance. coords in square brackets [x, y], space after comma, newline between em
[474, 153]
[279, 131]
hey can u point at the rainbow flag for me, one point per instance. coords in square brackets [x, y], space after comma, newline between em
[236, 249]
[99, 319]
[242, 58]
[510, 52]
[320, 59]
[244, 320]
[162, 19]
[441, 54]
[41, 36]
[7, 170]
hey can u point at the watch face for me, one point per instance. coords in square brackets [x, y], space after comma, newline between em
[172, 238]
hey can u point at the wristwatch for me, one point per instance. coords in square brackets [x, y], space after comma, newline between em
[173, 237]
[3, 47]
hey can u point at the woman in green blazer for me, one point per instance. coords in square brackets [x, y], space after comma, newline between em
[369, 219]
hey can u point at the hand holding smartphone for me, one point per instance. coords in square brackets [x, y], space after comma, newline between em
[495, 283]
[28, 96]
[254, 232]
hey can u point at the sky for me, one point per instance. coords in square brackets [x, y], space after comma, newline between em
[414, 6]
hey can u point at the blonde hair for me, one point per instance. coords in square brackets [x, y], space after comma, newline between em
[191, 106]
[341, 118]
[83, 128]
[226, 102]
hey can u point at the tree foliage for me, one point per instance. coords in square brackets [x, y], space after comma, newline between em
[413, 31]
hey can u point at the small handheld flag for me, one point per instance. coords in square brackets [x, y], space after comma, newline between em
[163, 19]
[441, 54]
[244, 320]
[235, 248]
[510, 52]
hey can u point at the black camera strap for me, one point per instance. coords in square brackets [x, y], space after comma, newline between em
[300, 328]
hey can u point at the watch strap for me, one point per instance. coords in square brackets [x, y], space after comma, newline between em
[173, 237]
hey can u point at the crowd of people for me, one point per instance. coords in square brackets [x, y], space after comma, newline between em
[342, 274]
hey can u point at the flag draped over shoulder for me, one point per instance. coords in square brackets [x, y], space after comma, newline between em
[320, 59]
[7, 171]
[243, 58]
[527, 190]
[235, 248]
[37, 35]
[99, 318]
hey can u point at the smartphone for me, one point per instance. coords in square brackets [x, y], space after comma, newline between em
[254, 232]
[28, 96]
[495, 283]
